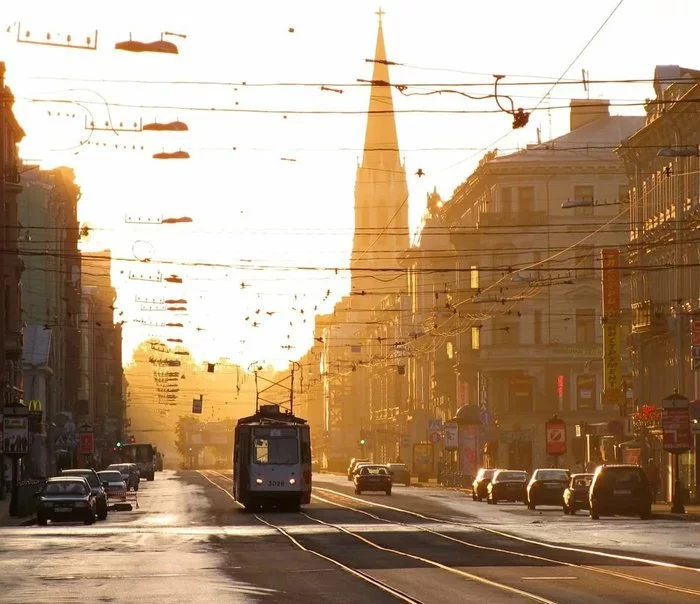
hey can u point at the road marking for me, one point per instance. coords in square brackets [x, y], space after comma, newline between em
[548, 578]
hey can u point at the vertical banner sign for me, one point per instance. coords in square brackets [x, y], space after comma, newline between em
[468, 448]
[86, 443]
[196, 405]
[612, 378]
[555, 430]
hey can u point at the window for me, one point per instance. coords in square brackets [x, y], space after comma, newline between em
[537, 327]
[474, 276]
[585, 326]
[276, 450]
[506, 200]
[583, 259]
[476, 338]
[526, 199]
[583, 193]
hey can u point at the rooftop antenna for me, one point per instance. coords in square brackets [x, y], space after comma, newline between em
[539, 135]
[586, 87]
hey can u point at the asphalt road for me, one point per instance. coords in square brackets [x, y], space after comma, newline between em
[190, 542]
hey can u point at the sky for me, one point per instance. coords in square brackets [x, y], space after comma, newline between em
[270, 180]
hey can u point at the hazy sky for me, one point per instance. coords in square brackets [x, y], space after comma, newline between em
[270, 182]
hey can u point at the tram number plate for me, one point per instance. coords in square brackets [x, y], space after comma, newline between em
[275, 483]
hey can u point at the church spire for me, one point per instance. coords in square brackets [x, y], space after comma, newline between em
[381, 193]
[381, 142]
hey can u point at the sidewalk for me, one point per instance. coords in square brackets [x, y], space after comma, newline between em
[7, 520]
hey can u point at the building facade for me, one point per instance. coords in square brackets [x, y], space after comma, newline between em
[49, 237]
[662, 161]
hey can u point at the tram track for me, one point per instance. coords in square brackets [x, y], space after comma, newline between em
[399, 594]
[593, 569]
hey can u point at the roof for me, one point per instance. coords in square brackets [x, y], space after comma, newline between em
[593, 142]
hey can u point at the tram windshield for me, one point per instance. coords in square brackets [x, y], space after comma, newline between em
[276, 447]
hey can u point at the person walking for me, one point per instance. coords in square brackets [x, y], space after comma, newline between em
[654, 477]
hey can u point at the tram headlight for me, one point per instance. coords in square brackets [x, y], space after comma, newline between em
[258, 481]
[292, 481]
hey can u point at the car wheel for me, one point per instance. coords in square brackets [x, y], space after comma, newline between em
[89, 519]
[474, 497]
[494, 501]
[408, 483]
[102, 513]
[531, 505]
[645, 515]
[388, 491]
[41, 521]
[565, 509]
[573, 510]
[358, 492]
[595, 515]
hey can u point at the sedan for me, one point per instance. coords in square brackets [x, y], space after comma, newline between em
[129, 473]
[97, 488]
[508, 485]
[66, 499]
[400, 473]
[546, 487]
[576, 493]
[114, 485]
[481, 483]
[372, 478]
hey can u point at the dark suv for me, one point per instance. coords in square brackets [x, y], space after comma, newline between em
[95, 485]
[620, 489]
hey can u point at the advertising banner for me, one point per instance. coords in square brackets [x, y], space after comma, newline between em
[610, 264]
[468, 449]
[86, 443]
[612, 375]
[555, 430]
[675, 424]
[451, 432]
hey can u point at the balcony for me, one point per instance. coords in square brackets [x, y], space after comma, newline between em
[648, 316]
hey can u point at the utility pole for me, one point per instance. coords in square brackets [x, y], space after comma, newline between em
[4, 386]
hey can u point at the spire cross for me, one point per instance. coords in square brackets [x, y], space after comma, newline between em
[379, 13]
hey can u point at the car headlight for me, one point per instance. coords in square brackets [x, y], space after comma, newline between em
[258, 481]
[292, 481]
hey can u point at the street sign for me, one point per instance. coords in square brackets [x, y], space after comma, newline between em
[196, 405]
[675, 423]
[434, 437]
[15, 434]
[87, 443]
[555, 430]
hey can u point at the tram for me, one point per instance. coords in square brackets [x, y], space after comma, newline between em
[272, 460]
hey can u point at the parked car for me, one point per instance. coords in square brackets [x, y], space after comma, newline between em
[66, 499]
[399, 473]
[97, 488]
[129, 472]
[353, 463]
[114, 485]
[576, 493]
[507, 485]
[372, 477]
[481, 482]
[620, 489]
[546, 487]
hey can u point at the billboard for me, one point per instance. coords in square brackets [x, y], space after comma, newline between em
[612, 378]
[555, 430]
[15, 435]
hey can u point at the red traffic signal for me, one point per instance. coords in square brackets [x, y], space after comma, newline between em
[132, 439]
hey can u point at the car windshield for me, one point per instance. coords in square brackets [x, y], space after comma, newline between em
[488, 473]
[91, 476]
[514, 476]
[373, 470]
[110, 476]
[551, 475]
[119, 468]
[582, 482]
[617, 476]
[65, 487]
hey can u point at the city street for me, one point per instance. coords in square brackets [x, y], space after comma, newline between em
[190, 542]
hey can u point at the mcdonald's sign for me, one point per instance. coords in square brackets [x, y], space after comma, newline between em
[35, 406]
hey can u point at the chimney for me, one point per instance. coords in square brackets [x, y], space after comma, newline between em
[585, 111]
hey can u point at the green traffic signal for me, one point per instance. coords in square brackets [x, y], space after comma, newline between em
[119, 443]
[362, 441]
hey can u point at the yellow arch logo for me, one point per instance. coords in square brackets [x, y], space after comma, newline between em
[35, 406]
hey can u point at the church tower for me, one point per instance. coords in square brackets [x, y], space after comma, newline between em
[381, 194]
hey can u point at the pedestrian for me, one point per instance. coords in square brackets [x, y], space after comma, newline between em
[654, 477]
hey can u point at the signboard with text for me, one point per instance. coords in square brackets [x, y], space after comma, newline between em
[675, 423]
[451, 431]
[86, 443]
[612, 378]
[15, 435]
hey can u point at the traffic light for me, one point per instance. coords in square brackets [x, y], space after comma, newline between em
[132, 439]
[119, 444]
[363, 438]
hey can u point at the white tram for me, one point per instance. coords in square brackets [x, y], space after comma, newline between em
[272, 460]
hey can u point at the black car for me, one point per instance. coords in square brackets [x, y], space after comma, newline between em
[546, 487]
[620, 489]
[97, 488]
[481, 482]
[399, 473]
[372, 478]
[576, 493]
[506, 485]
[65, 499]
